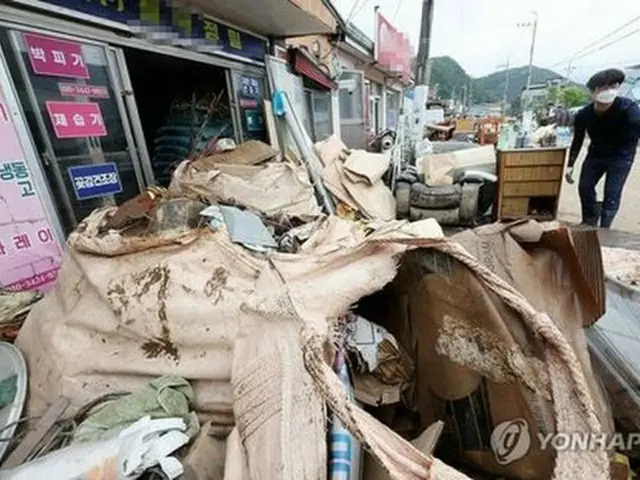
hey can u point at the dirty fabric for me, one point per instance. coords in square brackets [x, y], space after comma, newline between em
[165, 397]
[481, 368]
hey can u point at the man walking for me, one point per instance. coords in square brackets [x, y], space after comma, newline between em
[613, 125]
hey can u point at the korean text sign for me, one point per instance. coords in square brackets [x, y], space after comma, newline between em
[30, 256]
[76, 119]
[96, 180]
[55, 57]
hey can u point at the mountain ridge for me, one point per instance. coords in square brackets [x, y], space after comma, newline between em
[450, 78]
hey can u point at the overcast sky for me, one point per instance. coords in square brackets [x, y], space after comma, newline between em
[482, 34]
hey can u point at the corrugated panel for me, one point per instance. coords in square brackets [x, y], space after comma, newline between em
[615, 339]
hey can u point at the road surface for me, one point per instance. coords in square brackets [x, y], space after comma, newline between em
[628, 218]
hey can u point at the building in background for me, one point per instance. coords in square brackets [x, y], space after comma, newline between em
[372, 78]
[367, 79]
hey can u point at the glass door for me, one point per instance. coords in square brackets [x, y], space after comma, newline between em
[76, 113]
[247, 93]
[352, 109]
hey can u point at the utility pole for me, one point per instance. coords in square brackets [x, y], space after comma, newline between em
[533, 24]
[505, 95]
[570, 69]
[465, 97]
[422, 63]
[421, 90]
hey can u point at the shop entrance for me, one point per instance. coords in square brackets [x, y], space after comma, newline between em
[182, 106]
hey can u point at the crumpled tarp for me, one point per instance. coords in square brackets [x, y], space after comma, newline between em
[271, 188]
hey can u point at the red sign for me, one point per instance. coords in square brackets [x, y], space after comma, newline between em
[79, 90]
[392, 48]
[55, 57]
[76, 119]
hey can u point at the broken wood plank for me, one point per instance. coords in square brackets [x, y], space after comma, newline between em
[35, 436]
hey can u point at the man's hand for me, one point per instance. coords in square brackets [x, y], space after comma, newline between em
[569, 176]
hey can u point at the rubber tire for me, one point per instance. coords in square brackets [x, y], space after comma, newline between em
[403, 193]
[430, 198]
[469, 203]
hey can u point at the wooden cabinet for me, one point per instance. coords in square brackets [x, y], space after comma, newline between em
[529, 183]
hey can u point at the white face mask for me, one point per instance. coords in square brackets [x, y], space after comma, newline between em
[606, 96]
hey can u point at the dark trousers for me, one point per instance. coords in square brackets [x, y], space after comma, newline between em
[616, 170]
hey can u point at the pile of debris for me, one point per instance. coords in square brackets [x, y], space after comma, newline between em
[266, 297]
[456, 187]
[259, 348]
[355, 179]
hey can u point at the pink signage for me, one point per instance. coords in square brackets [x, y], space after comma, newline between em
[76, 119]
[30, 256]
[79, 90]
[55, 57]
[392, 48]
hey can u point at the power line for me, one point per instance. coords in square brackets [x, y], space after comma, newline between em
[606, 45]
[610, 34]
[579, 53]
[364, 4]
[353, 11]
[397, 10]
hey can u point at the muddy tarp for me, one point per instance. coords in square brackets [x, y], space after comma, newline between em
[253, 337]
[270, 188]
[489, 375]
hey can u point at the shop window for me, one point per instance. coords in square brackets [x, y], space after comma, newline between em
[393, 108]
[351, 94]
[352, 109]
[322, 118]
[66, 91]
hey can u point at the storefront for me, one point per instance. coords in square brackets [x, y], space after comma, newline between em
[110, 113]
[93, 110]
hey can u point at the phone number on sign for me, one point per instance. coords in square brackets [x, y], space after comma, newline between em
[98, 180]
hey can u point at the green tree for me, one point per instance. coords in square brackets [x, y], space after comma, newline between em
[574, 96]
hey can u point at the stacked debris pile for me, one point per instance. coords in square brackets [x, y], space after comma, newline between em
[248, 176]
[256, 333]
[456, 186]
[355, 179]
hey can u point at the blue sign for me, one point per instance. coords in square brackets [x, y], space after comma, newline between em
[180, 20]
[96, 180]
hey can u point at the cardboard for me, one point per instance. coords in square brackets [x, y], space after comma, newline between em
[251, 152]
[368, 167]
[329, 149]
[479, 368]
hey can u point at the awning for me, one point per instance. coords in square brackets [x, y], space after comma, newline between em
[270, 18]
[302, 65]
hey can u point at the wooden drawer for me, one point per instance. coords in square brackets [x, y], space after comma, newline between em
[531, 189]
[514, 207]
[530, 158]
[528, 174]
